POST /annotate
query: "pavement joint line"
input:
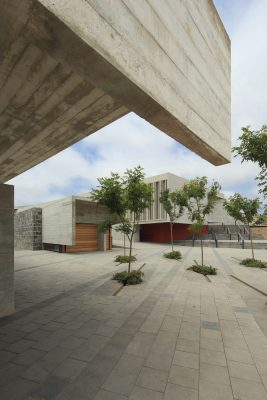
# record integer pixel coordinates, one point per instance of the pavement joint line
(252, 287)
(208, 278)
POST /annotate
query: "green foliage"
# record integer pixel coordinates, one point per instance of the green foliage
(124, 259)
(107, 223)
(203, 269)
(111, 194)
(200, 201)
(122, 195)
(252, 262)
(129, 278)
(173, 203)
(241, 208)
(173, 255)
(253, 147)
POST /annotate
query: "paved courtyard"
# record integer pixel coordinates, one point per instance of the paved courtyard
(175, 336)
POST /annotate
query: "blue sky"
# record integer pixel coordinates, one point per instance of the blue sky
(116, 147)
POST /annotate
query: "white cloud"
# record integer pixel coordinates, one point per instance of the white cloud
(132, 141)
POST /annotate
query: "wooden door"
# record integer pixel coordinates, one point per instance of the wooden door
(86, 239)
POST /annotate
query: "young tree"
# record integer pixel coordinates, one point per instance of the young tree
(200, 203)
(111, 194)
(253, 148)
(173, 203)
(244, 210)
(122, 195)
(138, 197)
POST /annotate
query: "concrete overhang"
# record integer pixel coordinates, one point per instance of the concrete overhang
(69, 68)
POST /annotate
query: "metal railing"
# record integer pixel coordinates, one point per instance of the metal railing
(214, 237)
(228, 230)
(241, 240)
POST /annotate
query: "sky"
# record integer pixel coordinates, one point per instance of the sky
(117, 146)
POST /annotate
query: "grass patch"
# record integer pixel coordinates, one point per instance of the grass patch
(129, 278)
(204, 270)
(124, 259)
(251, 262)
(173, 255)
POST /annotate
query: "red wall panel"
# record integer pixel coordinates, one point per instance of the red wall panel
(160, 233)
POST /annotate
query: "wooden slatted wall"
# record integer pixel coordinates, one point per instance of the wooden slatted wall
(86, 239)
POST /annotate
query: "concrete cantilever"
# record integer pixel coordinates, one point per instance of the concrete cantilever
(69, 68)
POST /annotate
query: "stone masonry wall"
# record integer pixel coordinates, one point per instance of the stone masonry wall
(28, 229)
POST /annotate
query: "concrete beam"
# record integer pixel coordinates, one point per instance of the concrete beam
(71, 67)
(6, 250)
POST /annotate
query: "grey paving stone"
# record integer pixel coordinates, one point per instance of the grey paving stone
(120, 382)
(50, 388)
(214, 374)
(54, 357)
(215, 391)
(160, 361)
(5, 356)
(28, 357)
(240, 309)
(9, 371)
(37, 372)
(152, 379)
(70, 368)
(248, 390)
(210, 325)
(45, 344)
(175, 392)
(184, 359)
(212, 357)
(20, 346)
(72, 342)
(105, 395)
(243, 371)
(187, 377)
(130, 363)
(16, 389)
(140, 393)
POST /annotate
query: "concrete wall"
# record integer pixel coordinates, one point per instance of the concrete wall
(59, 222)
(69, 68)
(175, 182)
(6, 250)
(171, 60)
(89, 212)
(259, 231)
(28, 229)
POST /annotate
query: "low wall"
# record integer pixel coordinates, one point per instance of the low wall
(260, 230)
(28, 229)
(160, 233)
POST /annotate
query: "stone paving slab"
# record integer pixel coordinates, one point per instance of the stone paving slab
(176, 336)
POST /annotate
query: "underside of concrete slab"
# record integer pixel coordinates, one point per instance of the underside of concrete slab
(70, 68)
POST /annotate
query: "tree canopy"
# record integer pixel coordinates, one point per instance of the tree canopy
(253, 147)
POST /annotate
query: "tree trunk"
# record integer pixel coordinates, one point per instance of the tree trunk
(251, 242)
(130, 253)
(124, 250)
(202, 257)
(171, 227)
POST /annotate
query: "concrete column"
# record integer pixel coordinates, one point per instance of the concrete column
(102, 241)
(6, 250)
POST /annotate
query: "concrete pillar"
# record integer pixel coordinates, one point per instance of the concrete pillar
(102, 241)
(6, 250)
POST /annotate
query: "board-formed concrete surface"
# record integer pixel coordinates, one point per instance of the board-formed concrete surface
(69, 68)
(175, 336)
(6, 250)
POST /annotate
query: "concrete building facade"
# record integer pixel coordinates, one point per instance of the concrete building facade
(154, 223)
(65, 225)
